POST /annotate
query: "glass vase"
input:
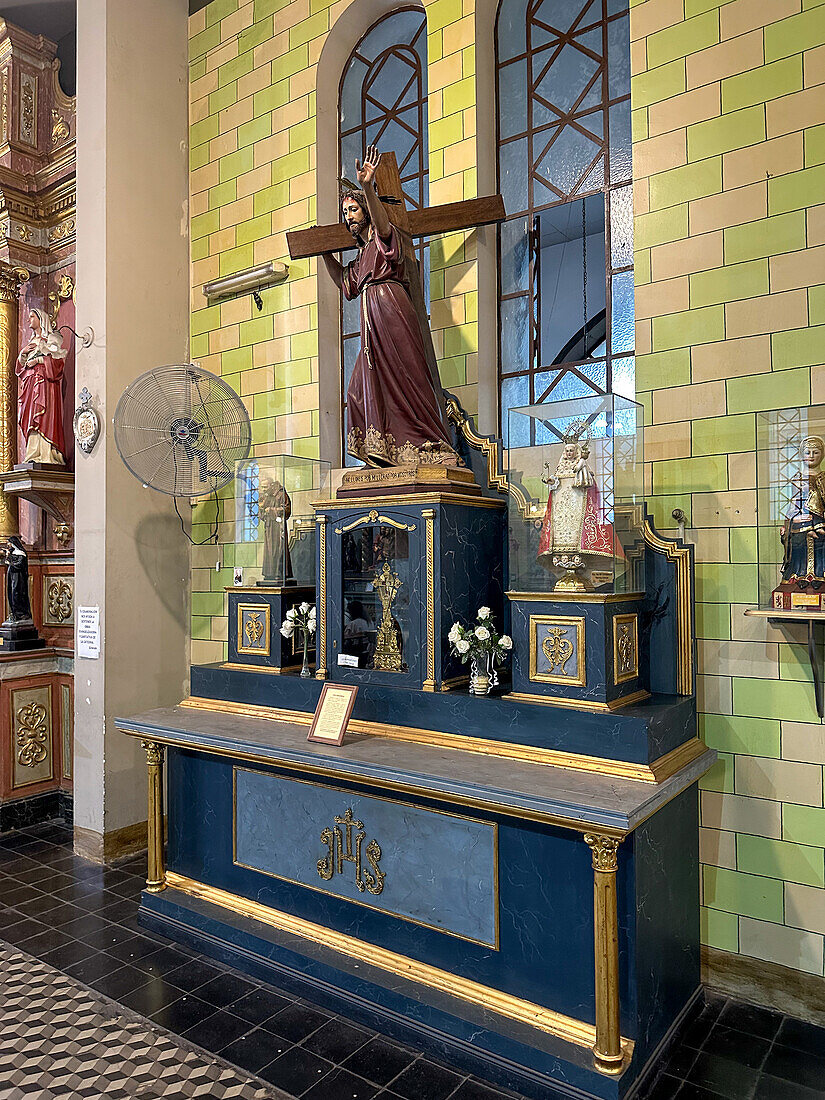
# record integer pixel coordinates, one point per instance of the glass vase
(482, 674)
(305, 672)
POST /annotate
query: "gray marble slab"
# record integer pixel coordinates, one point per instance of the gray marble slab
(565, 796)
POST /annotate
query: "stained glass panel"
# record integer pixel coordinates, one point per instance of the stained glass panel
(563, 134)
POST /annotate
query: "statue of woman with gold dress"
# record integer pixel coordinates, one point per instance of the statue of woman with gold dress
(803, 532)
(573, 540)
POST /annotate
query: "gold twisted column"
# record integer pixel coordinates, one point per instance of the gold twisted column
(156, 875)
(607, 1050)
(9, 292)
(429, 516)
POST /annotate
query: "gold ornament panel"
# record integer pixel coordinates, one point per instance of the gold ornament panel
(254, 629)
(625, 648)
(557, 650)
(32, 740)
(58, 599)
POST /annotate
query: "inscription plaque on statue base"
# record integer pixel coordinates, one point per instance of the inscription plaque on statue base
(423, 478)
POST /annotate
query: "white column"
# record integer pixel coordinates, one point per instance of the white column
(132, 288)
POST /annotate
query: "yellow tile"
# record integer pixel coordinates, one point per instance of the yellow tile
(297, 110)
(655, 15)
(805, 907)
(742, 16)
(256, 81)
(303, 82)
(203, 86)
(783, 780)
(816, 225)
(291, 320)
(794, 112)
(302, 186)
(798, 269)
(658, 154)
(803, 741)
(272, 49)
(223, 145)
(459, 156)
(271, 148)
(303, 292)
(449, 189)
(293, 425)
(641, 196)
(456, 36)
(726, 59)
(235, 212)
(203, 271)
(712, 543)
(461, 278)
(199, 110)
(718, 848)
(731, 358)
(446, 312)
(219, 56)
(666, 296)
(638, 56)
(253, 181)
(197, 22)
(223, 339)
(734, 508)
(767, 313)
(235, 115)
(740, 814)
(198, 204)
(757, 162)
(814, 66)
(742, 475)
(683, 110)
(305, 397)
(204, 178)
(663, 441)
(818, 385)
(693, 402)
(742, 204)
(682, 257)
(257, 380)
(296, 11)
(644, 337)
(236, 310)
(233, 24)
(271, 248)
(222, 241)
(270, 354)
(714, 694)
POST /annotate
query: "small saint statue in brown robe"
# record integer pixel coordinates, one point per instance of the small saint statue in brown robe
(275, 508)
(395, 412)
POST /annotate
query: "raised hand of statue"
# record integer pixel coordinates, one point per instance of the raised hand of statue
(366, 174)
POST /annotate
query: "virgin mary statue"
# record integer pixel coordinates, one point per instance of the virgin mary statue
(574, 542)
(39, 397)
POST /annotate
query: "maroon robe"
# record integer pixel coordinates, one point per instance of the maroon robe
(392, 405)
(39, 398)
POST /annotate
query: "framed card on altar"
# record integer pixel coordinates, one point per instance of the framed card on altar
(332, 713)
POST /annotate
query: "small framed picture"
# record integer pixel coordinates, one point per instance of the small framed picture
(332, 713)
(237, 578)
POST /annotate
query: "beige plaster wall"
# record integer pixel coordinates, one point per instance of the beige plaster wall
(132, 267)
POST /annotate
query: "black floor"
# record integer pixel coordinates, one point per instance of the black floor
(81, 918)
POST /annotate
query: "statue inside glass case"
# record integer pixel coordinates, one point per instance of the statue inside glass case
(275, 508)
(803, 532)
(574, 544)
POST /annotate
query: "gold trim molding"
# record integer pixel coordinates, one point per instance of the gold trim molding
(578, 1032)
(680, 556)
(656, 772)
(579, 704)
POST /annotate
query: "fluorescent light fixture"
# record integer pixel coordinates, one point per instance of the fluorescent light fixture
(254, 278)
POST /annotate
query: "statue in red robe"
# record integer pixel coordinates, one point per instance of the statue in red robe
(394, 404)
(574, 541)
(39, 372)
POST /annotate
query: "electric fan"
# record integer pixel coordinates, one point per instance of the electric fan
(180, 430)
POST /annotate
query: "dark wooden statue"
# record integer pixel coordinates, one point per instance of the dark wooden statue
(16, 561)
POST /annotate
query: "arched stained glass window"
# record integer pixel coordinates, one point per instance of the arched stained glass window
(566, 315)
(383, 102)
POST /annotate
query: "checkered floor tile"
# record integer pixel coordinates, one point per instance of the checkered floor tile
(60, 1040)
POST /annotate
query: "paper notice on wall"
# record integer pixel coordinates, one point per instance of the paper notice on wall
(88, 632)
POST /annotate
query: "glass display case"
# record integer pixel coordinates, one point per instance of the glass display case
(376, 588)
(576, 551)
(575, 470)
(275, 521)
(790, 510)
(274, 558)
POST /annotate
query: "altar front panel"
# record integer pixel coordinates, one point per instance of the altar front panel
(545, 935)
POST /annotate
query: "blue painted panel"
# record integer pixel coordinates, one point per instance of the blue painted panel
(432, 868)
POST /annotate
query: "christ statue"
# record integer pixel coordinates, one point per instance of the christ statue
(394, 404)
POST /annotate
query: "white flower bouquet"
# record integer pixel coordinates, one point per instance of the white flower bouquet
(474, 642)
(301, 620)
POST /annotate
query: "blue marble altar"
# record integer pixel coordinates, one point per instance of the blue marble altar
(509, 882)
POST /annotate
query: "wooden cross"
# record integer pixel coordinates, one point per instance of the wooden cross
(426, 222)
(470, 213)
